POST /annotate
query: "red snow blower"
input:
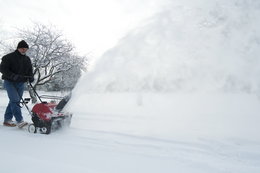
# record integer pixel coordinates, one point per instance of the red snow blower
(47, 116)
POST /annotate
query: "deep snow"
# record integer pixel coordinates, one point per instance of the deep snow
(126, 132)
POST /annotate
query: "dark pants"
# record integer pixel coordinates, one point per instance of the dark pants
(14, 92)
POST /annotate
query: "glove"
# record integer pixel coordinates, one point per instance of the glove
(31, 79)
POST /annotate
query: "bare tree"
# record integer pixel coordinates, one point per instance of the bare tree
(50, 52)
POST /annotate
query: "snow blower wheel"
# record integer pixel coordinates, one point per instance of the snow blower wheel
(32, 128)
(45, 130)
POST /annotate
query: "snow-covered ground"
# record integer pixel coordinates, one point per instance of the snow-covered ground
(129, 132)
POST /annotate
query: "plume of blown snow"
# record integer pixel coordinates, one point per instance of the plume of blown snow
(200, 45)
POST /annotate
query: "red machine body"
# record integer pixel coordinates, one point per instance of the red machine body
(46, 111)
(47, 116)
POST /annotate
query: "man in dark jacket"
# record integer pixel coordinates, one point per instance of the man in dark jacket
(16, 69)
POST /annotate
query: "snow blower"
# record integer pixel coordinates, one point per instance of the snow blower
(48, 116)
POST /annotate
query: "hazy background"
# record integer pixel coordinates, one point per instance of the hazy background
(93, 26)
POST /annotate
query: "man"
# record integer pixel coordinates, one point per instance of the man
(16, 69)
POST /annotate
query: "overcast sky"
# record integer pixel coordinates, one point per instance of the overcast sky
(92, 25)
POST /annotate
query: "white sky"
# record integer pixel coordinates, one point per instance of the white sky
(93, 26)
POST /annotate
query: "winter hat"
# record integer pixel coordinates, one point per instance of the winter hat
(22, 44)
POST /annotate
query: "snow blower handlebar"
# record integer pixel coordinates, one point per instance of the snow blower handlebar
(25, 101)
(33, 89)
(29, 84)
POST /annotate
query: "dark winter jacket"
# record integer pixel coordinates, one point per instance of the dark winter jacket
(16, 67)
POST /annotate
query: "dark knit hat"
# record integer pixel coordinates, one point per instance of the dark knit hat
(22, 44)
